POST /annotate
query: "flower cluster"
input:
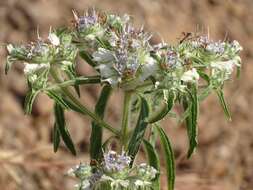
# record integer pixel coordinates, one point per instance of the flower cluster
(193, 58)
(120, 51)
(156, 77)
(123, 54)
(38, 57)
(114, 173)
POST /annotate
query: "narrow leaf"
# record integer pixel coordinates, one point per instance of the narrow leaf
(97, 131)
(8, 65)
(169, 158)
(64, 102)
(139, 131)
(153, 161)
(56, 137)
(223, 103)
(154, 134)
(57, 98)
(165, 108)
(191, 120)
(29, 99)
(204, 76)
(61, 125)
(238, 71)
(87, 58)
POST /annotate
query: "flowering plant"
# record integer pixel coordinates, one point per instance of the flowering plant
(154, 78)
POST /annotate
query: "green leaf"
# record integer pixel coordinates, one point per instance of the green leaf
(8, 64)
(56, 137)
(153, 134)
(169, 158)
(103, 43)
(97, 131)
(57, 98)
(187, 112)
(153, 161)
(29, 99)
(191, 119)
(74, 107)
(61, 125)
(88, 58)
(223, 103)
(139, 131)
(238, 71)
(64, 102)
(205, 92)
(165, 108)
(204, 76)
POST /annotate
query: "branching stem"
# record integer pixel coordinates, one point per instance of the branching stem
(81, 106)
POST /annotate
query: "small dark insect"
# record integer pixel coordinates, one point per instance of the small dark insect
(102, 17)
(93, 162)
(75, 21)
(186, 36)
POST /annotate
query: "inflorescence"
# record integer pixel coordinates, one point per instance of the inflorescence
(114, 173)
(125, 58)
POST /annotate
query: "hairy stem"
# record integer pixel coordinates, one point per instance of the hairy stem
(76, 81)
(125, 117)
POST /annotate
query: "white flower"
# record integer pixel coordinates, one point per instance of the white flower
(236, 46)
(149, 68)
(113, 39)
(97, 33)
(10, 48)
(190, 76)
(53, 38)
(226, 66)
(125, 18)
(30, 68)
(103, 55)
(141, 183)
(90, 37)
(70, 172)
(216, 47)
(105, 70)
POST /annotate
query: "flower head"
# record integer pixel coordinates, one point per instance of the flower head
(190, 76)
(116, 163)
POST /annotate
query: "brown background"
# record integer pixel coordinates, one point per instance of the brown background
(224, 159)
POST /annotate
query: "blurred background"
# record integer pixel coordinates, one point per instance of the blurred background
(224, 158)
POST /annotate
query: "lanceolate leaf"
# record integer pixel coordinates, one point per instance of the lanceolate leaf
(29, 99)
(57, 98)
(154, 134)
(8, 64)
(56, 137)
(204, 76)
(139, 131)
(191, 119)
(97, 131)
(87, 58)
(165, 109)
(223, 103)
(153, 161)
(169, 158)
(61, 125)
(64, 102)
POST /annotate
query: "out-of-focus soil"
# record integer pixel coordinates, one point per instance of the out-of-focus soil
(224, 158)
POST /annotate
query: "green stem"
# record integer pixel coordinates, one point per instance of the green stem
(82, 107)
(125, 117)
(76, 81)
